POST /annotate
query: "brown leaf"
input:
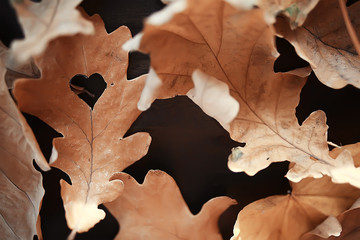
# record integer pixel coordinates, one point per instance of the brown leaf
(288, 217)
(20, 184)
(93, 147)
(324, 42)
(44, 21)
(237, 47)
(156, 210)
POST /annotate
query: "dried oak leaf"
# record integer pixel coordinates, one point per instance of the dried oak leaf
(288, 217)
(324, 42)
(156, 210)
(92, 148)
(20, 184)
(237, 47)
(44, 21)
(350, 222)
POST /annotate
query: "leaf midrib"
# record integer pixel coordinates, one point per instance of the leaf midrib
(91, 142)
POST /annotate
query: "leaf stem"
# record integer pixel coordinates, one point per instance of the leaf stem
(349, 26)
(333, 144)
(72, 235)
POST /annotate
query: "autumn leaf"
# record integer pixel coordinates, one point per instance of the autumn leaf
(288, 217)
(324, 42)
(92, 148)
(349, 221)
(44, 21)
(20, 184)
(156, 210)
(237, 48)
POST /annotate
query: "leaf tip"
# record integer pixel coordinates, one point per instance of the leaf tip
(152, 85)
(301, 72)
(133, 44)
(163, 16)
(54, 155)
(213, 96)
(243, 4)
(236, 154)
(329, 227)
(81, 217)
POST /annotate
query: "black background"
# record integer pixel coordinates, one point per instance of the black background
(187, 144)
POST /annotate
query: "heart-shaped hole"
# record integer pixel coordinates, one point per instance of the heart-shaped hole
(89, 89)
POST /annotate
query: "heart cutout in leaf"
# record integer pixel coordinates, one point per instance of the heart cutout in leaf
(89, 89)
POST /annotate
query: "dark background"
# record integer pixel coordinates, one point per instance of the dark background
(187, 144)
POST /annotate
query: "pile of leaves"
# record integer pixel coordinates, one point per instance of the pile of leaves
(221, 55)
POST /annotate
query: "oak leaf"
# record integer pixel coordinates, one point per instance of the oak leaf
(92, 148)
(289, 217)
(237, 47)
(156, 210)
(44, 21)
(324, 42)
(20, 184)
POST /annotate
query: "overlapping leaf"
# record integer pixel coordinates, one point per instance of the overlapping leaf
(20, 184)
(237, 47)
(15, 69)
(350, 222)
(324, 42)
(92, 148)
(156, 210)
(43, 21)
(288, 217)
(329, 227)
(296, 10)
